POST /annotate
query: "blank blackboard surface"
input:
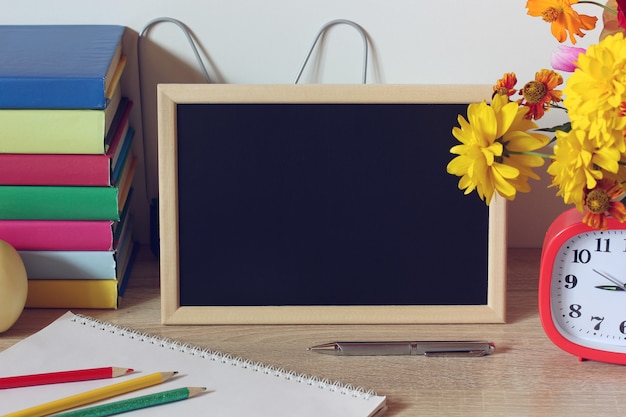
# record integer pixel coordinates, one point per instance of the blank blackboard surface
(313, 204)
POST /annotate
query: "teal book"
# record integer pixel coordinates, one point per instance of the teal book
(58, 203)
(58, 66)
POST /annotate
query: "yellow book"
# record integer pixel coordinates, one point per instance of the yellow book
(87, 293)
(59, 131)
(72, 293)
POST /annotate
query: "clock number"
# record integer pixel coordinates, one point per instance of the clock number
(600, 320)
(599, 245)
(574, 311)
(622, 327)
(570, 281)
(582, 256)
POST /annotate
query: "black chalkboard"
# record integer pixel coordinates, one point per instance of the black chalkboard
(325, 204)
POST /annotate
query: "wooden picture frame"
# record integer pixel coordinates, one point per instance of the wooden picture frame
(174, 98)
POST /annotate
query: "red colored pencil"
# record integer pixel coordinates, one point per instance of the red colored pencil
(63, 376)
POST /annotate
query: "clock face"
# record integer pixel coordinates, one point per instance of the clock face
(588, 290)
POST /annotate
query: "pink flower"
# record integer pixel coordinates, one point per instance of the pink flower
(565, 59)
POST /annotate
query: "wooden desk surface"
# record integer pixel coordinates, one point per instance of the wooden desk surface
(526, 376)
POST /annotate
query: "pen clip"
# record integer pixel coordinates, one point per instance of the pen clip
(457, 353)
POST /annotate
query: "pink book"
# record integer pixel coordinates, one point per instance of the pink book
(58, 234)
(68, 170)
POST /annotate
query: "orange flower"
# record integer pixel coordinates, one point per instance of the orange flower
(539, 93)
(600, 202)
(562, 17)
(505, 85)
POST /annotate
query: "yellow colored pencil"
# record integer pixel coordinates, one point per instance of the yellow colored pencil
(97, 394)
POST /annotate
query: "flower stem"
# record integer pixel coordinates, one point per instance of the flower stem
(557, 106)
(604, 6)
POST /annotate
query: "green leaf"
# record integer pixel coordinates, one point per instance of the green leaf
(565, 127)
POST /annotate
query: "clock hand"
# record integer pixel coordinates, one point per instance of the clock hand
(614, 280)
(610, 287)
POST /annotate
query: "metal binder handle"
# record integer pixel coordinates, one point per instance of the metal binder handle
(321, 32)
(187, 33)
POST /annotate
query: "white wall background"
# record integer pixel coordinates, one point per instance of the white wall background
(247, 41)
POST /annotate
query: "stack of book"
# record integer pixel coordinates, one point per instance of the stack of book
(66, 165)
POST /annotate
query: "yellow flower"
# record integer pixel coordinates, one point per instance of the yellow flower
(576, 165)
(493, 154)
(595, 91)
(497, 150)
(562, 18)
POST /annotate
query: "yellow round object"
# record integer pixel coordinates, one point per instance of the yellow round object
(13, 286)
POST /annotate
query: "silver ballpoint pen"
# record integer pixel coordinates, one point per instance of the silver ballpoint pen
(427, 348)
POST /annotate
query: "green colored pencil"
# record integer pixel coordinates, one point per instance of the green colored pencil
(131, 404)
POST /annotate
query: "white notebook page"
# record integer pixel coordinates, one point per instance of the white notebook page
(235, 387)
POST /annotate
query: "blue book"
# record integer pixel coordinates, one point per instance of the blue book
(59, 66)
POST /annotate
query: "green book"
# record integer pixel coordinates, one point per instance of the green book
(59, 203)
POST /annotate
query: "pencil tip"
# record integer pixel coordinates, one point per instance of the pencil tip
(116, 371)
(195, 390)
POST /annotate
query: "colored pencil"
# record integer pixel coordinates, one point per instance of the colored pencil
(137, 403)
(92, 396)
(19, 381)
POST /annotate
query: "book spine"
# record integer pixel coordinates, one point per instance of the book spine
(125, 182)
(52, 131)
(125, 267)
(69, 265)
(116, 74)
(60, 66)
(51, 169)
(72, 169)
(57, 234)
(119, 128)
(121, 156)
(72, 294)
(58, 203)
(57, 93)
(123, 245)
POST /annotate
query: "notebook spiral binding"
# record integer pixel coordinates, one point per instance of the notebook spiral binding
(227, 359)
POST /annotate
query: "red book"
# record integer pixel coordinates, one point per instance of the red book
(58, 234)
(71, 170)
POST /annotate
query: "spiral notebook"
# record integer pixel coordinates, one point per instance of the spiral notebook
(235, 386)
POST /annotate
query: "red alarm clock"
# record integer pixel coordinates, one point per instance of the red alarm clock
(582, 288)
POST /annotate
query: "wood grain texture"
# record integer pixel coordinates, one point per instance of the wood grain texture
(526, 376)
